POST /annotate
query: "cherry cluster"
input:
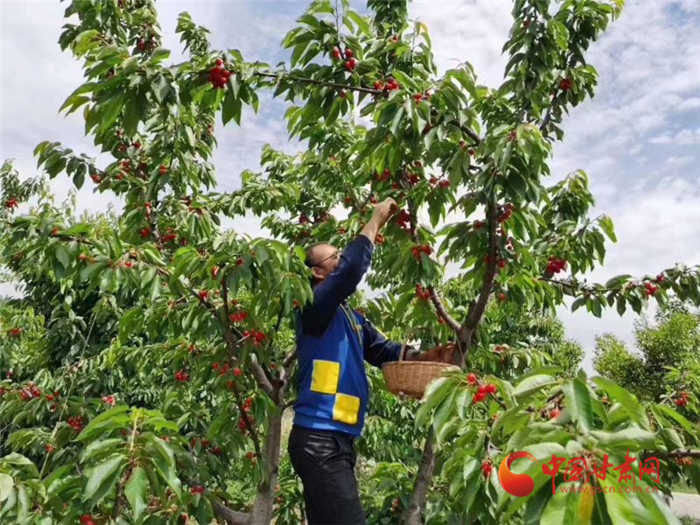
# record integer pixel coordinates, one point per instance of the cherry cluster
(256, 336)
(682, 399)
(350, 60)
(385, 176)
(423, 293)
(505, 212)
(11, 204)
(482, 390)
(110, 400)
(421, 248)
(218, 75)
(182, 376)
(391, 85)
(29, 392)
(650, 289)
(418, 97)
(242, 426)
(441, 183)
(556, 265)
(238, 317)
(76, 423)
(15, 332)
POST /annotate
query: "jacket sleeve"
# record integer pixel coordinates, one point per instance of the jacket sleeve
(377, 348)
(337, 286)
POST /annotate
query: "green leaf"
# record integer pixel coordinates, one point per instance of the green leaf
(632, 438)
(135, 491)
(606, 225)
(63, 256)
(533, 384)
(626, 399)
(112, 418)
(6, 484)
(435, 394)
(562, 507)
(360, 21)
(99, 447)
(129, 322)
(102, 478)
(678, 418)
(578, 402)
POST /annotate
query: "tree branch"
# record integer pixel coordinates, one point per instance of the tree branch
(230, 516)
(442, 312)
(467, 131)
(319, 83)
(260, 376)
(244, 415)
(477, 310)
(680, 453)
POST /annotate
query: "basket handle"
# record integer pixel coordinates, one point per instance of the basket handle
(402, 353)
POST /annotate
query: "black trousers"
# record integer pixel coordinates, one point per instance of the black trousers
(324, 460)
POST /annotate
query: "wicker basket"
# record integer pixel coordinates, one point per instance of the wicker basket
(411, 378)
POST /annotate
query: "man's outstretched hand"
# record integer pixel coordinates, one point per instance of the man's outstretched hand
(441, 354)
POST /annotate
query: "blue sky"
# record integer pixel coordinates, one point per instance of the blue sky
(638, 139)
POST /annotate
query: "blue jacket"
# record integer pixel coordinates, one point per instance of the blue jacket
(333, 341)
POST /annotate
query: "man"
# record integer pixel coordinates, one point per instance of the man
(332, 344)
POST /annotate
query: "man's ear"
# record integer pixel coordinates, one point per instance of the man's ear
(316, 273)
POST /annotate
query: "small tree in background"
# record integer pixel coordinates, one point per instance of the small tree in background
(668, 366)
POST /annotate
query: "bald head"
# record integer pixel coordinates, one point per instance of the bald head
(322, 258)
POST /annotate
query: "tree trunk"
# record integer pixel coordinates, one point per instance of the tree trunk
(413, 515)
(262, 509)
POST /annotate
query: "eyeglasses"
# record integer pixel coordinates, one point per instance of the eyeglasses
(335, 255)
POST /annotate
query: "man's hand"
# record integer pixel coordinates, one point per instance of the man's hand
(440, 354)
(384, 210)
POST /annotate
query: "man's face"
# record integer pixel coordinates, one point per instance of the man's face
(326, 258)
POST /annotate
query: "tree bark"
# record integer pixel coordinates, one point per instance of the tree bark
(262, 509)
(413, 515)
(229, 516)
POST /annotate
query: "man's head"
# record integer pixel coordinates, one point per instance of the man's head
(322, 259)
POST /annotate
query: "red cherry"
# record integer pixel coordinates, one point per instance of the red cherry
(481, 389)
(472, 379)
(336, 53)
(219, 62)
(351, 64)
(378, 85)
(343, 94)
(478, 397)
(491, 388)
(486, 469)
(554, 413)
(237, 372)
(348, 53)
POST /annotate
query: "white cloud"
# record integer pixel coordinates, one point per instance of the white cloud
(684, 137)
(690, 103)
(679, 161)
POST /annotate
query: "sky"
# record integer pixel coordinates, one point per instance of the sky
(638, 138)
